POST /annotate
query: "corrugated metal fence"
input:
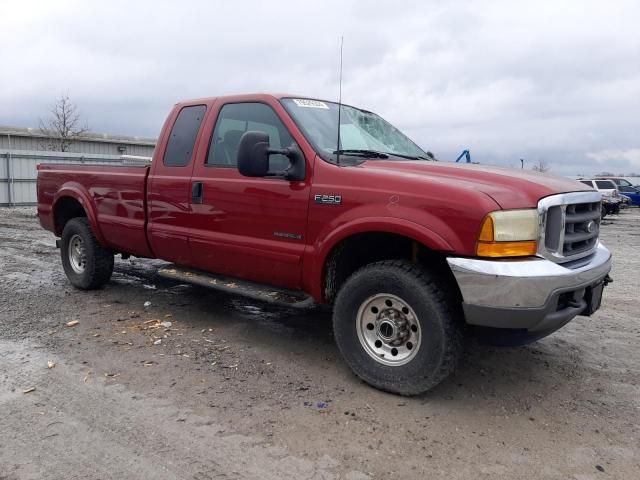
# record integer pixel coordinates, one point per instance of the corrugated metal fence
(18, 171)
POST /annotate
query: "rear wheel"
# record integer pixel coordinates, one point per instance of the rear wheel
(87, 264)
(397, 327)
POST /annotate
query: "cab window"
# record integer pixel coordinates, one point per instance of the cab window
(234, 120)
(183, 136)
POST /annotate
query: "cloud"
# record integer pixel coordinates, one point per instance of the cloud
(628, 160)
(547, 80)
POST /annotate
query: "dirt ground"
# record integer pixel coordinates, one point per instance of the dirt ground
(233, 389)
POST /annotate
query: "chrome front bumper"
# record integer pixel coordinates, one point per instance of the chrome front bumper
(525, 294)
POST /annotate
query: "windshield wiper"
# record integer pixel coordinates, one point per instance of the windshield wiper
(410, 157)
(361, 153)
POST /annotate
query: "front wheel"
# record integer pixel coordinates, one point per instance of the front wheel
(398, 327)
(88, 264)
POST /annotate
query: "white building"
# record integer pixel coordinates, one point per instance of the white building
(22, 149)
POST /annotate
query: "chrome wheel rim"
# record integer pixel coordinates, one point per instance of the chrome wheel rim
(77, 254)
(388, 329)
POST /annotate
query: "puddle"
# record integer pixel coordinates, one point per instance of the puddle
(268, 317)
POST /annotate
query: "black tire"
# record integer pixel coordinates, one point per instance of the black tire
(436, 310)
(97, 261)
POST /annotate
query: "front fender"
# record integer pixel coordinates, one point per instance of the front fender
(317, 254)
(80, 193)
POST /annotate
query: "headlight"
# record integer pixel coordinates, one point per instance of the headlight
(509, 233)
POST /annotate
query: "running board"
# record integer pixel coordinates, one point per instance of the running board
(258, 291)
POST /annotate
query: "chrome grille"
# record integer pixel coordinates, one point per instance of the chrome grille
(581, 227)
(569, 225)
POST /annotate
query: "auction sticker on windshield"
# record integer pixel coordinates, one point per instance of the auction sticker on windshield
(305, 102)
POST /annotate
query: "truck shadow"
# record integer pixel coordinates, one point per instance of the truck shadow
(517, 375)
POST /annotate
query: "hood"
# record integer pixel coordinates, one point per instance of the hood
(510, 188)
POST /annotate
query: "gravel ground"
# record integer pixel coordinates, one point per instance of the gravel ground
(233, 389)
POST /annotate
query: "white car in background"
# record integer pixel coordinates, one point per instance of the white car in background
(607, 187)
(611, 198)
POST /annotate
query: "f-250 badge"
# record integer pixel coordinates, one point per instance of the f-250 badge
(328, 199)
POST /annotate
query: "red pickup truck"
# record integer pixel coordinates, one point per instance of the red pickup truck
(263, 195)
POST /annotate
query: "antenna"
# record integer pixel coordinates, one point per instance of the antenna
(339, 103)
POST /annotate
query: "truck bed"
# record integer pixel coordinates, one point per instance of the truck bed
(113, 196)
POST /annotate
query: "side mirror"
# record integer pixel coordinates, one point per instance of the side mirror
(253, 158)
(253, 154)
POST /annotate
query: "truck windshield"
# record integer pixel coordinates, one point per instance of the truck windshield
(362, 133)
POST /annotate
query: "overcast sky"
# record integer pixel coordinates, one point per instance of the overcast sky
(552, 80)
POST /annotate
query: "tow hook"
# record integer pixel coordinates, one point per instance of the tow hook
(607, 280)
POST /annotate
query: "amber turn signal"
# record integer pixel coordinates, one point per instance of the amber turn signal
(486, 233)
(507, 249)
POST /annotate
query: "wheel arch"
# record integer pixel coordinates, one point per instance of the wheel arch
(73, 201)
(354, 246)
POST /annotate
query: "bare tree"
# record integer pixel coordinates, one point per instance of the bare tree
(541, 166)
(63, 126)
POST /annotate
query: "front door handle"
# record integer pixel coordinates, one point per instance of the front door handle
(197, 192)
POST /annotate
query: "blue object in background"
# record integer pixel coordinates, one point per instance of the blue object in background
(466, 155)
(632, 192)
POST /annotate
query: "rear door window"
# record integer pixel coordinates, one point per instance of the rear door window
(605, 184)
(183, 136)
